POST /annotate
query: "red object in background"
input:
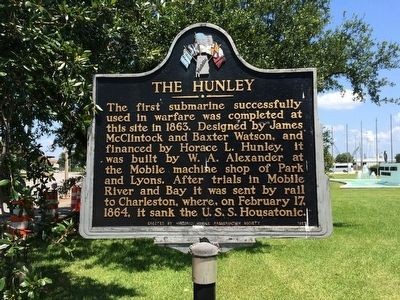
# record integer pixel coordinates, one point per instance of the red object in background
(51, 205)
(76, 198)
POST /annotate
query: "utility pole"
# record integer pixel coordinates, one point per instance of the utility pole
(376, 141)
(347, 144)
(391, 139)
(333, 143)
(66, 165)
(361, 148)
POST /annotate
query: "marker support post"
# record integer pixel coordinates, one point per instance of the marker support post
(204, 270)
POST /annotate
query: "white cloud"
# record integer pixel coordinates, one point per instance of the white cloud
(335, 127)
(337, 101)
(384, 136)
(396, 133)
(396, 118)
(354, 132)
(369, 136)
(339, 128)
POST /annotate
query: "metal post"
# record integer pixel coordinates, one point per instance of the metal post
(66, 165)
(391, 139)
(204, 270)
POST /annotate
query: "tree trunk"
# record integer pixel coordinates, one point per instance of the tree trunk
(4, 169)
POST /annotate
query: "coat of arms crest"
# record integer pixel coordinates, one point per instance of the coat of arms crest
(202, 51)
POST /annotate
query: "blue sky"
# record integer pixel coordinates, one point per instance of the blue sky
(335, 110)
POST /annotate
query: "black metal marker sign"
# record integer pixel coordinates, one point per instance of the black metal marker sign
(205, 145)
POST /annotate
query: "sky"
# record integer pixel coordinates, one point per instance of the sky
(337, 111)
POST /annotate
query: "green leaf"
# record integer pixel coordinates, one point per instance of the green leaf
(98, 108)
(25, 269)
(2, 283)
(4, 246)
(24, 284)
(61, 66)
(14, 194)
(4, 182)
(44, 281)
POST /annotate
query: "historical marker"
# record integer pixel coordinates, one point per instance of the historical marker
(205, 145)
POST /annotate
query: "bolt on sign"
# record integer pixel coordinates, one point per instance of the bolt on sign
(205, 145)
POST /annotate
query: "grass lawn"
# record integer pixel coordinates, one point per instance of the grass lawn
(361, 260)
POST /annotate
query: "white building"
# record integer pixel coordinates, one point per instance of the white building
(390, 173)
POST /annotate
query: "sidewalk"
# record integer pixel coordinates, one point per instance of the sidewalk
(64, 201)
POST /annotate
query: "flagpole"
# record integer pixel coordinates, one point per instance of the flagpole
(361, 147)
(333, 143)
(376, 141)
(391, 139)
(347, 143)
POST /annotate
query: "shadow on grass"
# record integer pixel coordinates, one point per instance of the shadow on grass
(132, 255)
(257, 247)
(65, 286)
(344, 225)
(138, 255)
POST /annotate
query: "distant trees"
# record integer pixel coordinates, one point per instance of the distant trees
(74, 165)
(397, 158)
(327, 144)
(344, 158)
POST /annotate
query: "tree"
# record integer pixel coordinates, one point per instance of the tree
(50, 51)
(40, 83)
(41, 80)
(292, 34)
(344, 158)
(397, 158)
(74, 166)
(327, 142)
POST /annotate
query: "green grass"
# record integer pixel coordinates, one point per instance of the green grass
(361, 260)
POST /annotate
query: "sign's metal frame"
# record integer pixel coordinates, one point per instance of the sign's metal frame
(185, 235)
